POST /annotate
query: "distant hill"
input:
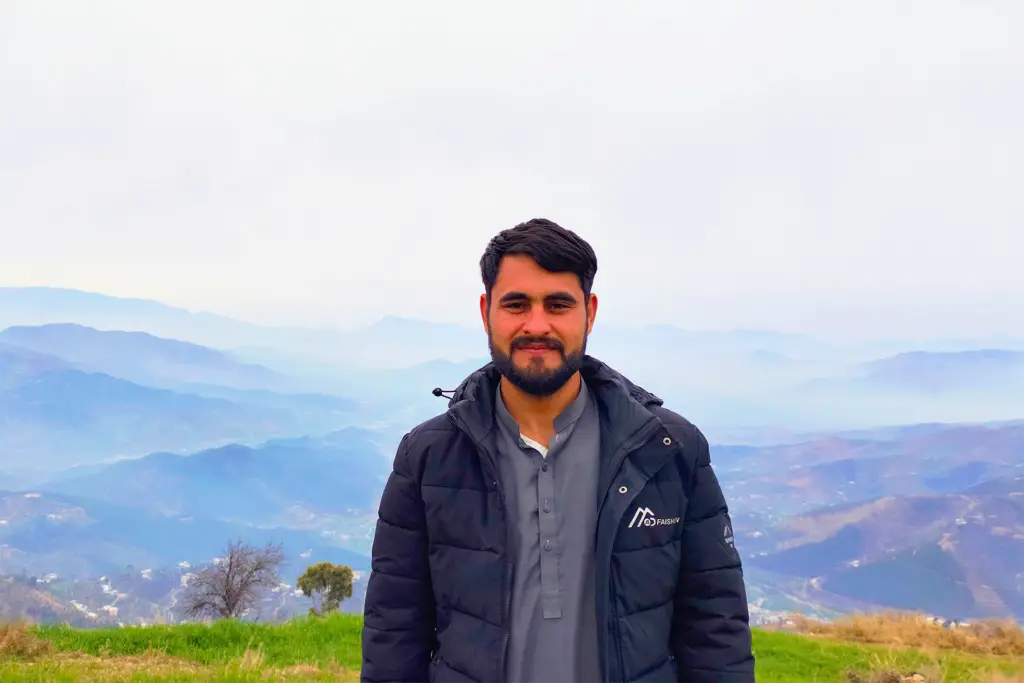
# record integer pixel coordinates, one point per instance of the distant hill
(729, 381)
(390, 342)
(284, 482)
(21, 598)
(54, 415)
(760, 346)
(46, 305)
(19, 365)
(982, 369)
(145, 359)
(75, 537)
(801, 477)
(912, 387)
(926, 373)
(951, 554)
(142, 357)
(896, 432)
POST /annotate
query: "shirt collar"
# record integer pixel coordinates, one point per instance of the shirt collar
(565, 419)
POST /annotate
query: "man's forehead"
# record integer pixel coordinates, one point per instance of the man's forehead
(538, 290)
(526, 276)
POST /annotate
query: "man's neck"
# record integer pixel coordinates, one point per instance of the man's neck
(536, 415)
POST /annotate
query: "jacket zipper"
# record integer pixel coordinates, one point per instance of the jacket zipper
(508, 536)
(642, 435)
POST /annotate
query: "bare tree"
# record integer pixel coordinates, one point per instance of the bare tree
(234, 583)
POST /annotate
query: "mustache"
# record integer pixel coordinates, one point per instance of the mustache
(545, 342)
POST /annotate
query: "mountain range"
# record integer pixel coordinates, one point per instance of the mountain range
(950, 554)
(975, 370)
(283, 482)
(80, 537)
(142, 358)
(136, 439)
(724, 380)
(399, 342)
(391, 341)
(56, 415)
(849, 521)
(866, 522)
(113, 394)
(147, 521)
(826, 470)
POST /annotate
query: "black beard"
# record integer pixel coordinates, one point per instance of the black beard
(543, 382)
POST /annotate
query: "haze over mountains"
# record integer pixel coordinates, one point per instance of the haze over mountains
(724, 380)
(134, 433)
(82, 407)
(141, 357)
(285, 482)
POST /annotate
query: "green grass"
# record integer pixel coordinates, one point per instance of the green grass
(304, 649)
(791, 658)
(302, 641)
(329, 649)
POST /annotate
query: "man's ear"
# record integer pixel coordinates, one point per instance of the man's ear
(591, 312)
(483, 311)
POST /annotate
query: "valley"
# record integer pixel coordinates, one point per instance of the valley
(129, 457)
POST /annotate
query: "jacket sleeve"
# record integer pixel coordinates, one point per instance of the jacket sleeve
(711, 624)
(398, 635)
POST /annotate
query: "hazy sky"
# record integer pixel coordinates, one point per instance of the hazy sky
(830, 167)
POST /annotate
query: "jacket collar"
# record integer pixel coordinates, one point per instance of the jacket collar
(624, 406)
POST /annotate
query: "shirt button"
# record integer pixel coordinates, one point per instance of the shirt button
(547, 545)
(547, 508)
(544, 467)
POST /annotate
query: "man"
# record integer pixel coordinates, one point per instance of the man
(557, 523)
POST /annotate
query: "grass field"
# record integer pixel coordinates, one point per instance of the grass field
(328, 650)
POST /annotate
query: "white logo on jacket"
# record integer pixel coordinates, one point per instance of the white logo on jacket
(645, 517)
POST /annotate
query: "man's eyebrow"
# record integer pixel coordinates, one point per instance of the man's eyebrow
(563, 297)
(553, 297)
(513, 296)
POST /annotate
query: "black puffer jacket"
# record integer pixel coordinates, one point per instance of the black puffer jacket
(671, 601)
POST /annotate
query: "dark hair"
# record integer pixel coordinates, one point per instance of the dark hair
(554, 248)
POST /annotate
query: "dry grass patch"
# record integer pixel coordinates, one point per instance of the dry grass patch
(17, 641)
(154, 666)
(889, 675)
(125, 666)
(26, 656)
(888, 670)
(912, 630)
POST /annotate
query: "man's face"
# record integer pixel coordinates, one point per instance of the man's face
(537, 325)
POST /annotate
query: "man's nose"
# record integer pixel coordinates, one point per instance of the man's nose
(537, 322)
